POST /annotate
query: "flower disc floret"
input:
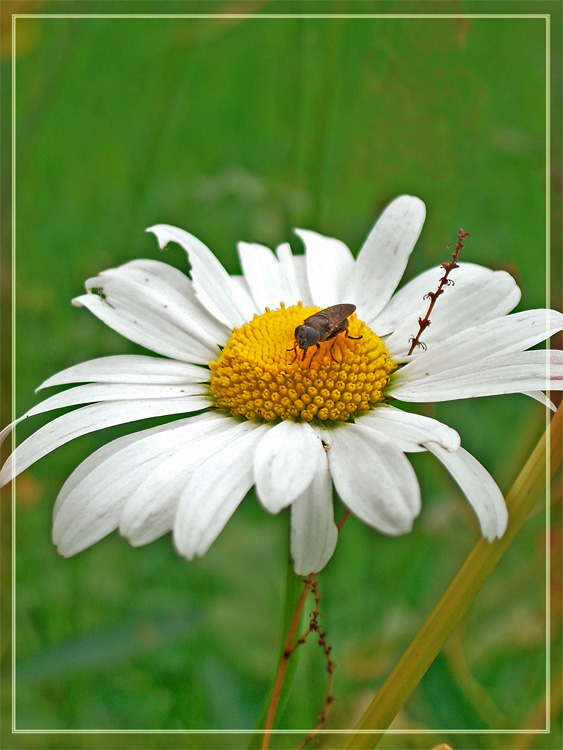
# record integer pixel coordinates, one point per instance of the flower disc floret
(260, 375)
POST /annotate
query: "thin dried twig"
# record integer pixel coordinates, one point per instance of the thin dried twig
(330, 665)
(448, 266)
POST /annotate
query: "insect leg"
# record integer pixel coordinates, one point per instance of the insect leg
(317, 347)
(294, 350)
(331, 354)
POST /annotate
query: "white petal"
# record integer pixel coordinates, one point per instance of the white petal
(479, 488)
(409, 431)
(542, 398)
(90, 503)
(295, 272)
(214, 492)
(479, 295)
(263, 274)
(313, 531)
(384, 256)
(157, 441)
(150, 510)
(179, 290)
(146, 286)
(374, 479)
(96, 392)
(407, 300)
(210, 279)
(520, 372)
(241, 292)
(130, 368)
(89, 419)
(285, 463)
(147, 326)
(329, 267)
(99, 456)
(511, 333)
(106, 392)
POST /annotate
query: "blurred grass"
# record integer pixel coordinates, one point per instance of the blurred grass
(242, 131)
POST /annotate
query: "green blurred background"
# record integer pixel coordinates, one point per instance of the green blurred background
(241, 129)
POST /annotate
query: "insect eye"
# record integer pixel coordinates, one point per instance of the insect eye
(312, 335)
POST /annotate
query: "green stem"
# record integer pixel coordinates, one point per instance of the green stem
(460, 594)
(293, 593)
(288, 650)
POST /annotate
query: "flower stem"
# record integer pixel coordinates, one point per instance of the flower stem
(287, 651)
(460, 594)
(343, 520)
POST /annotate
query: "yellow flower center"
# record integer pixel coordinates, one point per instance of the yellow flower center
(260, 375)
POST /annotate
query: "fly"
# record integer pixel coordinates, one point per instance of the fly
(323, 326)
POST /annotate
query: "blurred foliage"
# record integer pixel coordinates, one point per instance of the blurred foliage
(241, 129)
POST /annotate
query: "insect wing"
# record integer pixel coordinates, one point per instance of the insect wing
(330, 320)
(337, 314)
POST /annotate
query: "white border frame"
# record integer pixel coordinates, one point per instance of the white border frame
(267, 16)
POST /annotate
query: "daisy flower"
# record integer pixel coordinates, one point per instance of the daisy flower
(260, 411)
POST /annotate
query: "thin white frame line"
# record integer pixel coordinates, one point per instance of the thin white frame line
(547, 18)
(282, 731)
(279, 15)
(547, 411)
(13, 330)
